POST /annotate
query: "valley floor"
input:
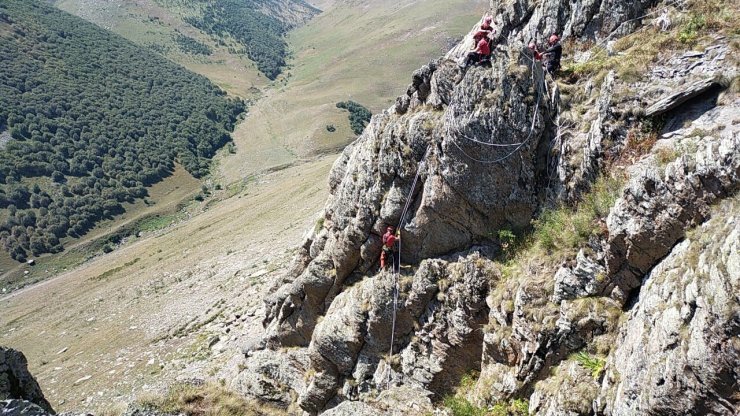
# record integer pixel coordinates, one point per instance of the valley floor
(164, 307)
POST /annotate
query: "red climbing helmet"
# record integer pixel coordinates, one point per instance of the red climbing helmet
(488, 19)
(554, 38)
(390, 228)
(532, 46)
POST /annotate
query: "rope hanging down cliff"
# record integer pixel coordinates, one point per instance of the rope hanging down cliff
(397, 271)
(409, 198)
(518, 145)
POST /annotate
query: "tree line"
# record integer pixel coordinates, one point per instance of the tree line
(359, 116)
(191, 46)
(93, 120)
(261, 35)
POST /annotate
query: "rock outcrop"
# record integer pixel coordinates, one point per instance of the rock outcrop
(464, 154)
(656, 209)
(679, 352)
(18, 385)
(17, 407)
(459, 199)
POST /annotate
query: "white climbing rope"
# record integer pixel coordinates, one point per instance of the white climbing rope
(409, 198)
(397, 271)
(518, 145)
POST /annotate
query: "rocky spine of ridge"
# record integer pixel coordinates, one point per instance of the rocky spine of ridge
(493, 149)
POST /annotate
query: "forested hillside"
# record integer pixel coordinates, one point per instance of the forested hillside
(87, 121)
(249, 22)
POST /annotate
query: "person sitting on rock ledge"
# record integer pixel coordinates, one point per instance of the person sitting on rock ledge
(482, 51)
(551, 56)
(389, 248)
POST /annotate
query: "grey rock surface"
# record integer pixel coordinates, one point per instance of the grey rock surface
(570, 392)
(397, 401)
(679, 352)
(272, 378)
(16, 382)
(587, 278)
(656, 208)
(677, 98)
(137, 410)
(441, 309)
(17, 407)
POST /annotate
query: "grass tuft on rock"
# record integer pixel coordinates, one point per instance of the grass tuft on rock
(564, 229)
(205, 400)
(593, 363)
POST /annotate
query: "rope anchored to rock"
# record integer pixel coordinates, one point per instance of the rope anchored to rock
(397, 270)
(518, 145)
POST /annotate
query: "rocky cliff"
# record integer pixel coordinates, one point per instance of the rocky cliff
(569, 244)
(19, 391)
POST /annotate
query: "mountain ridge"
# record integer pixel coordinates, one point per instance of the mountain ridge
(529, 284)
(335, 307)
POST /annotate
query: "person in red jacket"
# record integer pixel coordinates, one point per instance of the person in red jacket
(482, 51)
(389, 248)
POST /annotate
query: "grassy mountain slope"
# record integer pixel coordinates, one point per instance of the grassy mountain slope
(138, 316)
(149, 24)
(92, 120)
(363, 51)
(226, 34)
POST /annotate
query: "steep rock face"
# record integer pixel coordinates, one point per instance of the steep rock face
(16, 382)
(524, 19)
(656, 209)
(580, 153)
(440, 310)
(528, 334)
(459, 198)
(476, 138)
(679, 352)
(536, 321)
(468, 153)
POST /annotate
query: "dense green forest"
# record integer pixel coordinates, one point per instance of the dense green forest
(190, 45)
(87, 122)
(359, 116)
(261, 35)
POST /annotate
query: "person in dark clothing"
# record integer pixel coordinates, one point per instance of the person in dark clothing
(551, 56)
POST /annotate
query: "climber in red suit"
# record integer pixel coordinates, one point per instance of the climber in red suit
(389, 248)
